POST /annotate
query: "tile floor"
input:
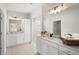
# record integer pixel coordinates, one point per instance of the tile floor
(24, 49)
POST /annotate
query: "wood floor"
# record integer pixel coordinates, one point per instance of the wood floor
(24, 49)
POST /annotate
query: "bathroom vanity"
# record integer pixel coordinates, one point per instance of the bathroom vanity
(18, 34)
(15, 39)
(55, 46)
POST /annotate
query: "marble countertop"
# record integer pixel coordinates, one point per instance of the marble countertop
(59, 42)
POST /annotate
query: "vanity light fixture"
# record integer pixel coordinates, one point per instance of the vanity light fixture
(57, 9)
(15, 18)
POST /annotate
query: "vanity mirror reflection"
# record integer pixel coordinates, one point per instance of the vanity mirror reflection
(15, 26)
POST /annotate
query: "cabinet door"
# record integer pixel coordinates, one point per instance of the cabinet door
(27, 30)
(62, 52)
(38, 43)
(51, 49)
(48, 48)
(20, 38)
(68, 51)
(11, 40)
(74, 53)
(43, 47)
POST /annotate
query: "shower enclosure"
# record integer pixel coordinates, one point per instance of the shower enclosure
(57, 28)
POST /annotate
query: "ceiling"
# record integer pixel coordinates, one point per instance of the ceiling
(23, 7)
(29, 7)
(34, 8)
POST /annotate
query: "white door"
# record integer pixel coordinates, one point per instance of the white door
(27, 30)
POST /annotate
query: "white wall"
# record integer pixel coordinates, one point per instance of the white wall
(69, 20)
(21, 37)
(14, 14)
(35, 9)
(36, 23)
(17, 14)
(4, 22)
(36, 29)
(3, 28)
(36, 13)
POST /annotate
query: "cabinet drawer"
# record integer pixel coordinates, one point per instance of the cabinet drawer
(43, 47)
(52, 49)
(11, 40)
(68, 51)
(52, 44)
(38, 45)
(62, 53)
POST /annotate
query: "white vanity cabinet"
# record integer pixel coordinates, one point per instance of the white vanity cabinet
(45, 47)
(60, 52)
(68, 50)
(55, 47)
(11, 40)
(15, 39)
(52, 50)
(41, 48)
(20, 38)
(38, 43)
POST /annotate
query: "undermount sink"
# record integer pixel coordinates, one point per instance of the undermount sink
(70, 41)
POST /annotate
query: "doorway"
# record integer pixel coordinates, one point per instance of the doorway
(57, 28)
